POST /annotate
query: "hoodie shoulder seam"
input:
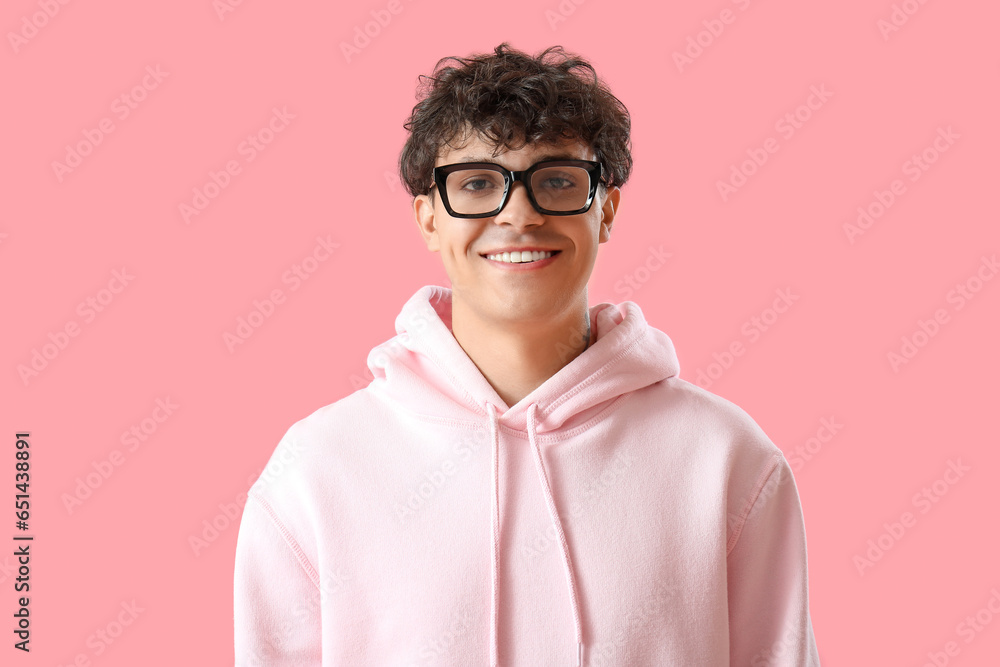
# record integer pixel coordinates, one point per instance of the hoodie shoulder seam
(292, 543)
(752, 500)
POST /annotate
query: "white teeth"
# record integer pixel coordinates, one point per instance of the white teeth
(519, 257)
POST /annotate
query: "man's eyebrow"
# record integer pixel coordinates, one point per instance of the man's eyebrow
(547, 156)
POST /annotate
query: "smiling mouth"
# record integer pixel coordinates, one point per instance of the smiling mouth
(522, 257)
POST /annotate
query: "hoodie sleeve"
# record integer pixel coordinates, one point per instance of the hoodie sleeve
(769, 623)
(276, 600)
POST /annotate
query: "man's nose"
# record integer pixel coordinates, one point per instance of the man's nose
(519, 210)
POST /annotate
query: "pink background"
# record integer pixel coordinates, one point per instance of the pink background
(330, 172)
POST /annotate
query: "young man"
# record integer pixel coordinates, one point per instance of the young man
(527, 480)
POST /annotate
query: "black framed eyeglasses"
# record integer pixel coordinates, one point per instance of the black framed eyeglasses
(482, 189)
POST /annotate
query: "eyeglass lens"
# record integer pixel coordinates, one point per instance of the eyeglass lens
(478, 190)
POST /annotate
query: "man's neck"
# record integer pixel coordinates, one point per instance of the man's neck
(515, 361)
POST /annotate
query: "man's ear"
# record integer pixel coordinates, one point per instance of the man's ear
(423, 214)
(609, 210)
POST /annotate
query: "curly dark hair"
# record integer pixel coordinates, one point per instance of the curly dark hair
(509, 99)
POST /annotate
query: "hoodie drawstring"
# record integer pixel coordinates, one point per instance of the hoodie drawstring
(495, 522)
(556, 522)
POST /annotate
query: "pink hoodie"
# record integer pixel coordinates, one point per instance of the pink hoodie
(617, 515)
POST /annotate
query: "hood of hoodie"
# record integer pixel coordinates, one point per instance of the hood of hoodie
(424, 370)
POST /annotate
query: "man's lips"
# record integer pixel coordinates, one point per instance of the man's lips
(497, 261)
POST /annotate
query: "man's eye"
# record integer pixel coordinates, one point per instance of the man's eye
(478, 185)
(557, 183)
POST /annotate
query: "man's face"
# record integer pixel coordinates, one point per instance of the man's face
(499, 292)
